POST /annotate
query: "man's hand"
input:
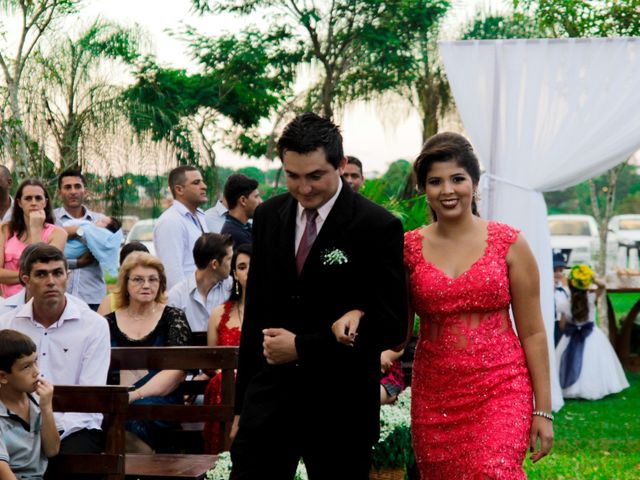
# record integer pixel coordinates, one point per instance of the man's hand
(44, 389)
(345, 328)
(279, 346)
(85, 259)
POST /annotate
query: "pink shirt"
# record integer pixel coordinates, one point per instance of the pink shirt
(13, 248)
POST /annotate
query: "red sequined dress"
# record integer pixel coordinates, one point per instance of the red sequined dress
(226, 337)
(471, 391)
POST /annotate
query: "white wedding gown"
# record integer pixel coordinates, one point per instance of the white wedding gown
(601, 372)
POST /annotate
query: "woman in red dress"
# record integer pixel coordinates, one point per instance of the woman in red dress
(224, 330)
(480, 393)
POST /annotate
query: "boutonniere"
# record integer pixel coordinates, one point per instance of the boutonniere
(334, 257)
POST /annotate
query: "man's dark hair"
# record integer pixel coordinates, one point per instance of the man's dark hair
(5, 172)
(308, 132)
(131, 247)
(178, 176)
(236, 186)
(13, 346)
(24, 256)
(209, 247)
(43, 253)
(354, 161)
(71, 172)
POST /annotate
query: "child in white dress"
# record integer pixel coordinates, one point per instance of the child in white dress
(589, 367)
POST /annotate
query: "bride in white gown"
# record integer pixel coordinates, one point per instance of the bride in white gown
(589, 367)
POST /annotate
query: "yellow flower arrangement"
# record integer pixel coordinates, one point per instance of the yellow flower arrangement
(581, 276)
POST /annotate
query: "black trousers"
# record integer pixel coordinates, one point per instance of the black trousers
(273, 453)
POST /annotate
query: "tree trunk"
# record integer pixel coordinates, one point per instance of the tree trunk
(16, 128)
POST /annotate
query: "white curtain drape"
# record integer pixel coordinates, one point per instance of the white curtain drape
(544, 115)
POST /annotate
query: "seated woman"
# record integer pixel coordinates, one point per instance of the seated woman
(224, 329)
(108, 303)
(588, 365)
(31, 222)
(142, 319)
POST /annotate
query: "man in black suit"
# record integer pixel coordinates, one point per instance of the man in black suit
(322, 253)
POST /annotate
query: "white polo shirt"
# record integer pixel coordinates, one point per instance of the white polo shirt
(75, 350)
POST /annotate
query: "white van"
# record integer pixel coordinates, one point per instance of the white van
(576, 236)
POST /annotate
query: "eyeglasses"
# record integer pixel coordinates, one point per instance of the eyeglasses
(140, 281)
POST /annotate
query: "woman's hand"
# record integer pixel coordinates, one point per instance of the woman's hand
(36, 219)
(542, 429)
(386, 360)
(345, 328)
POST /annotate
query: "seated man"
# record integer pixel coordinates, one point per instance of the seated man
(210, 285)
(72, 342)
(9, 304)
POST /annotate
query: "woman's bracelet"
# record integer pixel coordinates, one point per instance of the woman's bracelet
(540, 413)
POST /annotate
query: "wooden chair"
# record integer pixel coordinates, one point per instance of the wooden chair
(180, 358)
(113, 402)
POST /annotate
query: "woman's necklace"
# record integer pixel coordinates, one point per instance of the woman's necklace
(144, 316)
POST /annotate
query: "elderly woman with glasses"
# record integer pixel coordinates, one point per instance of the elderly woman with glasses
(142, 319)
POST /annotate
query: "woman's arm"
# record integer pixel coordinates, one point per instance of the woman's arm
(525, 302)
(212, 328)
(58, 238)
(6, 276)
(163, 383)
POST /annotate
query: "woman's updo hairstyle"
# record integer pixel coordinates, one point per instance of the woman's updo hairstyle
(445, 147)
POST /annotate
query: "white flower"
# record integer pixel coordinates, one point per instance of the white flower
(334, 257)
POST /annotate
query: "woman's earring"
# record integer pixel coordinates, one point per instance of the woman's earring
(237, 288)
(475, 195)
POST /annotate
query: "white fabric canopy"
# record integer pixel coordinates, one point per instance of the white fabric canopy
(544, 115)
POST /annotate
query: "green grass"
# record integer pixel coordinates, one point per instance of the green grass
(595, 440)
(622, 303)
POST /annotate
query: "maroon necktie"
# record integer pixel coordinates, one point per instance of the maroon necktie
(308, 237)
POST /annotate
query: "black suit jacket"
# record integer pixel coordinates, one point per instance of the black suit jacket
(328, 379)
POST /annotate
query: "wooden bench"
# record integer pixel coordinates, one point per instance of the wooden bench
(113, 402)
(180, 358)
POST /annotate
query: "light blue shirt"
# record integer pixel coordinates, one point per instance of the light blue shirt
(174, 235)
(86, 282)
(186, 297)
(22, 448)
(215, 217)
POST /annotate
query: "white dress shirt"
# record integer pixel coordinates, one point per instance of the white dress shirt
(10, 304)
(323, 213)
(215, 217)
(185, 296)
(75, 350)
(7, 215)
(174, 235)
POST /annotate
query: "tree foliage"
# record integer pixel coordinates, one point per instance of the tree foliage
(356, 48)
(76, 100)
(242, 80)
(36, 17)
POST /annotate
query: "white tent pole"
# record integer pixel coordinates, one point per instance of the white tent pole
(491, 168)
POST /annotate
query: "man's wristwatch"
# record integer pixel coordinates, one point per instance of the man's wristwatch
(80, 232)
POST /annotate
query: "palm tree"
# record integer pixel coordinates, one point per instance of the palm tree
(76, 93)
